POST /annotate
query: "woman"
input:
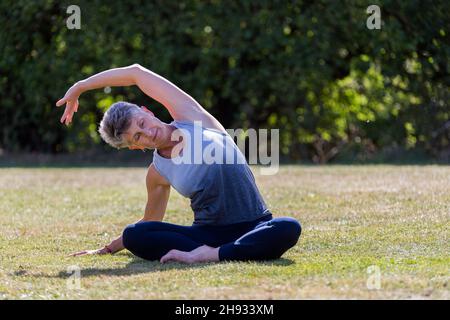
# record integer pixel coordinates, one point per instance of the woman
(231, 220)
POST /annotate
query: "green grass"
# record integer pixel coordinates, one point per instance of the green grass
(353, 217)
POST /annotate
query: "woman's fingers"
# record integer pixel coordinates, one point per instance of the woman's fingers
(63, 116)
(85, 252)
(69, 117)
(80, 253)
(68, 113)
(71, 107)
(60, 102)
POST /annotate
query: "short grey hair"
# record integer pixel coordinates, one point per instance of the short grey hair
(116, 121)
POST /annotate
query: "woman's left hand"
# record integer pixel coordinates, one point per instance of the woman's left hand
(71, 101)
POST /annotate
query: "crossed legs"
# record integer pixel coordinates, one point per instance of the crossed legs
(262, 240)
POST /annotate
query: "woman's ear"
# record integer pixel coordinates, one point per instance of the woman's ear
(146, 110)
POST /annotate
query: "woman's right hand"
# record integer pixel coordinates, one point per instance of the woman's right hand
(101, 251)
(71, 101)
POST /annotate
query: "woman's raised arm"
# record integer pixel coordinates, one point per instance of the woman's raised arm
(180, 105)
(125, 76)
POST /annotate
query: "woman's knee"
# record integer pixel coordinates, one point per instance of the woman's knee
(289, 229)
(131, 236)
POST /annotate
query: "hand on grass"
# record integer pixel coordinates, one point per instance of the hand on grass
(90, 252)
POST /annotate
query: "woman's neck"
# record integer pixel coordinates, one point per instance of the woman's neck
(167, 149)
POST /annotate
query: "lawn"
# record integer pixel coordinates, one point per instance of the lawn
(360, 224)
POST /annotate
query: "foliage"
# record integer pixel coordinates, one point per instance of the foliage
(312, 69)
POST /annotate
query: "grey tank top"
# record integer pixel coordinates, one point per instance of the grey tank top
(214, 174)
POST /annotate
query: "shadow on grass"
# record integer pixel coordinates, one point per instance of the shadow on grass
(138, 266)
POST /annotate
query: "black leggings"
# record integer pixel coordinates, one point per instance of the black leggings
(262, 239)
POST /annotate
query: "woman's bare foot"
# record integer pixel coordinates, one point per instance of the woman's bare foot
(201, 254)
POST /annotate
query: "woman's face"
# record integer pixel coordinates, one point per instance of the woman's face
(146, 131)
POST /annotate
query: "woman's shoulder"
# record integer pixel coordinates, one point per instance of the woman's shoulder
(189, 124)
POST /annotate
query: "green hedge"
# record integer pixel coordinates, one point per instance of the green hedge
(311, 68)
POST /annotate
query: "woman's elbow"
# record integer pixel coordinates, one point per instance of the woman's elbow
(135, 66)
